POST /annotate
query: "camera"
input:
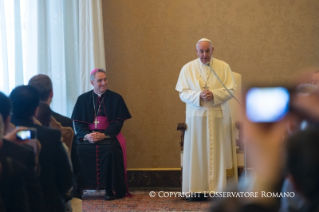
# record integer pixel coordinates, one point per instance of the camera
(30, 133)
(267, 104)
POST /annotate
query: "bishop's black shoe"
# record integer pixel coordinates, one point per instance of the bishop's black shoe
(109, 195)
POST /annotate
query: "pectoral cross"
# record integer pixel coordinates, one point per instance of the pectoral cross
(205, 87)
(96, 122)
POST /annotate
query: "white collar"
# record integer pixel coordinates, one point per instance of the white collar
(202, 64)
(99, 95)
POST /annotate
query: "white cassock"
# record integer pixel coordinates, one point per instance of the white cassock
(207, 142)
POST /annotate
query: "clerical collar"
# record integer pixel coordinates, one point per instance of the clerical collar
(99, 95)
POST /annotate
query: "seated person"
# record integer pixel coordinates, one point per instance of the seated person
(303, 170)
(12, 186)
(44, 115)
(295, 124)
(56, 175)
(98, 117)
(10, 147)
(44, 85)
(45, 118)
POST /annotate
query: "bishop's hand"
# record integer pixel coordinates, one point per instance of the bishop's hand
(89, 138)
(94, 137)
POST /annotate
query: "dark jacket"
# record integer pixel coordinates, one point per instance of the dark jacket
(56, 175)
(67, 122)
(26, 157)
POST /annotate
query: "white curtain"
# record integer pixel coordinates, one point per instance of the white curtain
(61, 38)
(91, 40)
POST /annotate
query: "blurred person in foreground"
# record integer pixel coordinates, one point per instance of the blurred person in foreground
(294, 125)
(55, 176)
(315, 78)
(13, 152)
(267, 152)
(13, 195)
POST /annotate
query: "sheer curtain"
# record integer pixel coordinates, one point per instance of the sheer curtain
(61, 38)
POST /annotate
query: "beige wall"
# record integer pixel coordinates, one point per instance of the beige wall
(148, 41)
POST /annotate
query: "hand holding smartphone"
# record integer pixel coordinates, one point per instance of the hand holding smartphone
(266, 111)
(27, 134)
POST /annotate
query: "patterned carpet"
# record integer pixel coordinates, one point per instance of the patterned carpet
(93, 201)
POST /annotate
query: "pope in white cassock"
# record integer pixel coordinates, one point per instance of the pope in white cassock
(207, 142)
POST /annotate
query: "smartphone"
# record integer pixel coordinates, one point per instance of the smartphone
(267, 104)
(30, 133)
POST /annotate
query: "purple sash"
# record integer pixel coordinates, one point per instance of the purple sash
(102, 124)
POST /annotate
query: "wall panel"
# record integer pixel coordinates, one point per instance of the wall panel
(147, 42)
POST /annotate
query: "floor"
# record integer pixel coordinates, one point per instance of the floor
(163, 200)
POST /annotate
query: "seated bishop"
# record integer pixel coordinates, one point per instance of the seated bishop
(98, 118)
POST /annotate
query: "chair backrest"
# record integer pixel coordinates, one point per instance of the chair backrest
(67, 133)
(236, 113)
(235, 108)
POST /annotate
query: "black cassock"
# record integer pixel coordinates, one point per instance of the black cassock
(102, 163)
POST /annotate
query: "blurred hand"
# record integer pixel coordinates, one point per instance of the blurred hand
(307, 105)
(264, 149)
(12, 135)
(264, 143)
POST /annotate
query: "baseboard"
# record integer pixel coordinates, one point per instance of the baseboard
(154, 169)
(157, 177)
(154, 177)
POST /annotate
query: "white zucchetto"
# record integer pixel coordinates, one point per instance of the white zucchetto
(204, 39)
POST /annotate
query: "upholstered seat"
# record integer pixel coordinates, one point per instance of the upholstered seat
(67, 133)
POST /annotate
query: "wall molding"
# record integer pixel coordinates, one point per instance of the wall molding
(154, 177)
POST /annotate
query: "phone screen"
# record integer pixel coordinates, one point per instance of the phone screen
(267, 104)
(26, 134)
